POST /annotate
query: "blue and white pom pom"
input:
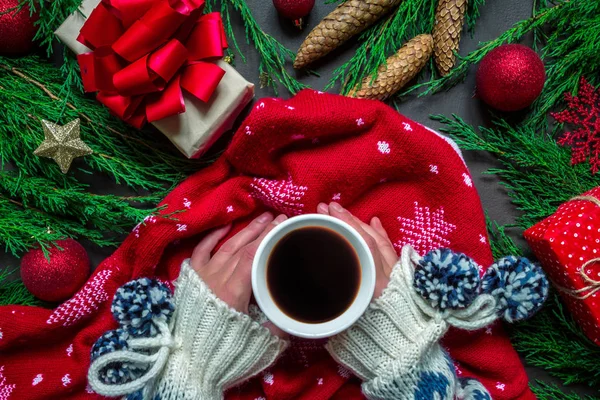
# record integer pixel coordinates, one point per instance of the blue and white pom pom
(139, 304)
(116, 373)
(472, 389)
(519, 286)
(447, 280)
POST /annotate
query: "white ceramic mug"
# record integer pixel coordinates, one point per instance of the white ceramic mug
(303, 329)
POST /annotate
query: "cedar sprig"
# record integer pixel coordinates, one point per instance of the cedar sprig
(473, 14)
(571, 50)
(411, 18)
(544, 391)
(51, 14)
(273, 55)
(566, 32)
(537, 174)
(552, 339)
(501, 242)
(384, 38)
(536, 171)
(13, 292)
(39, 204)
(138, 159)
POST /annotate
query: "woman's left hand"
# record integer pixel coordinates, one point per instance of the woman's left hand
(384, 255)
(228, 272)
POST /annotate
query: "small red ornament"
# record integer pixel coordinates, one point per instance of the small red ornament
(61, 277)
(510, 77)
(16, 28)
(294, 9)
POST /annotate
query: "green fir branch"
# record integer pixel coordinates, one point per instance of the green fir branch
(273, 55)
(378, 42)
(567, 33)
(533, 165)
(51, 14)
(473, 14)
(459, 72)
(13, 292)
(538, 176)
(544, 391)
(385, 38)
(105, 212)
(501, 243)
(25, 228)
(134, 158)
(553, 341)
(38, 203)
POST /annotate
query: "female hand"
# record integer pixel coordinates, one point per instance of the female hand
(228, 272)
(384, 255)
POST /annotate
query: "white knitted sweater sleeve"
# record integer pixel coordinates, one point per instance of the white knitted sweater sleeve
(388, 341)
(218, 347)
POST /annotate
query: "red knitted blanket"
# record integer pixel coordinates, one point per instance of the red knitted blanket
(287, 156)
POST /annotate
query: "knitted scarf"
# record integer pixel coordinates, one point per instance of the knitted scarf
(287, 156)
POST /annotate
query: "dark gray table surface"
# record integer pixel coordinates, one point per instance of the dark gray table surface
(496, 17)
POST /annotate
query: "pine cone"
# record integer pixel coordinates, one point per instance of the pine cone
(348, 19)
(449, 18)
(398, 70)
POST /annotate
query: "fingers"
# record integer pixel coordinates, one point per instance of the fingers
(241, 276)
(201, 253)
(376, 237)
(383, 243)
(254, 245)
(239, 240)
(374, 230)
(323, 208)
(336, 210)
(368, 229)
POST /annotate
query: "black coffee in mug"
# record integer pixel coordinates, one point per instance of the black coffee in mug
(313, 274)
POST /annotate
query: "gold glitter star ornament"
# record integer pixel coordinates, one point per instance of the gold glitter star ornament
(62, 144)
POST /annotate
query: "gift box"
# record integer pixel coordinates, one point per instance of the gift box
(180, 86)
(568, 245)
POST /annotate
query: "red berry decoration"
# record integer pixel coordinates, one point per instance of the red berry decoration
(16, 28)
(510, 77)
(294, 9)
(61, 277)
(583, 115)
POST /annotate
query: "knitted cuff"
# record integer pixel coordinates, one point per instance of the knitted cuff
(218, 346)
(392, 330)
(188, 346)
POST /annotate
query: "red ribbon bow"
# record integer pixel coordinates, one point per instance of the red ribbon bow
(146, 51)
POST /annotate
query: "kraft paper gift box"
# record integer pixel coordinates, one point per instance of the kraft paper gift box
(196, 129)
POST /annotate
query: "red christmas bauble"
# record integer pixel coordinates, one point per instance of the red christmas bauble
(510, 77)
(61, 277)
(16, 28)
(294, 9)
